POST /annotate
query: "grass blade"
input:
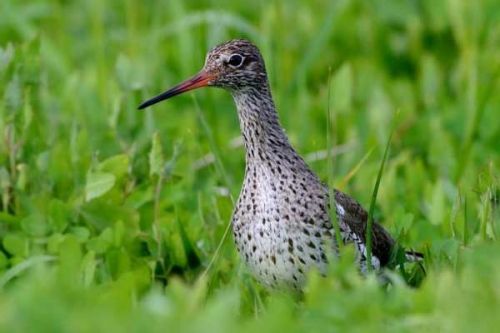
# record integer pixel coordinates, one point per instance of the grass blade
(21, 267)
(225, 178)
(369, 225)
(330, 142)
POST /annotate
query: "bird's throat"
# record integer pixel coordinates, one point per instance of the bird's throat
(259, 123)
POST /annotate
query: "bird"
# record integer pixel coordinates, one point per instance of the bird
(281, 222)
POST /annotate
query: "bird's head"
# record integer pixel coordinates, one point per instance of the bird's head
(233, 65)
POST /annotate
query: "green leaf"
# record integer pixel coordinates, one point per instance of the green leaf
(6, 218)
(156, 159)
(116, 165)
(82, 234)
(59, 215)
(118, 262)
(88, 268)
(177, 250)
(70, 255)
(98, 183)
(3, 261)
(101, 243)
(16, 244)
(53, 243)
(35, 225)
(22, 178)
(118, 233)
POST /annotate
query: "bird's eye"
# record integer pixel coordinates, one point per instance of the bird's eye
(235, 60)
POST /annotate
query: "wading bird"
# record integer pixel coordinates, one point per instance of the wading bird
(281, 222)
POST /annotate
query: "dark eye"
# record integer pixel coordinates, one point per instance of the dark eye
(235, 60)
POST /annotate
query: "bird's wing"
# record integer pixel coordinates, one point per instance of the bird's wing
(354, 216)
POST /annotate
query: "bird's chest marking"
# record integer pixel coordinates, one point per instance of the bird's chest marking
(276, 231)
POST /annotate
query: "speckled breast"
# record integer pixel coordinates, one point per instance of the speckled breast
(281, 235)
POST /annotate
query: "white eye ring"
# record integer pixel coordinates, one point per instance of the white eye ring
(235, 60)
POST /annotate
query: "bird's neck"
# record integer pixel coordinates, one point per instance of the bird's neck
(262, 133)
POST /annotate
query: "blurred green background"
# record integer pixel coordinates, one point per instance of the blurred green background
(110, 218)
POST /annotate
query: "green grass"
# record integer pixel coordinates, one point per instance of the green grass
(110, 220)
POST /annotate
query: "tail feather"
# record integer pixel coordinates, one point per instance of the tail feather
(413, 256)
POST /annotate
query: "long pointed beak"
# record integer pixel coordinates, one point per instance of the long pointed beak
(199, 80)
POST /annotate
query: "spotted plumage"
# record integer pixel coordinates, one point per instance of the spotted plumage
(281, 223)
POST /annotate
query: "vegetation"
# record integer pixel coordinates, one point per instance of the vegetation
(111, 218)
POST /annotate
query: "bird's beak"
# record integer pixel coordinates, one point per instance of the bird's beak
(202, 79)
